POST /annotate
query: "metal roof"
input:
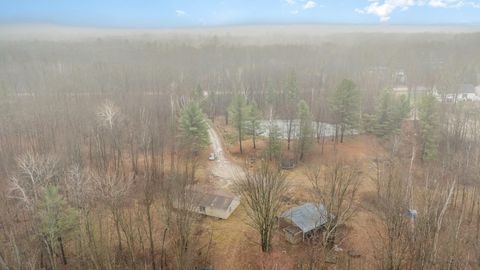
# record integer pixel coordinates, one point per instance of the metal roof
(212, 198)
(307, 216)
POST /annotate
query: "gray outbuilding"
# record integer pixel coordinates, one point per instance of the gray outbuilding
(303, 221)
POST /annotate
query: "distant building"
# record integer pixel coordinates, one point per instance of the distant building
(464, 92)
(468, 92)
(400, 77)
(301, 222)
(404, 90)
(212, 202)
(400, 90)
(414, 93)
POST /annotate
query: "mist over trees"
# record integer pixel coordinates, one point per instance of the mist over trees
(101, 140)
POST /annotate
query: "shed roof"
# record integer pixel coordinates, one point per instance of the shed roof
(307, 216)
(212, 198)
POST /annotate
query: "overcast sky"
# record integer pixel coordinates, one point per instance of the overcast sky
(188, 13)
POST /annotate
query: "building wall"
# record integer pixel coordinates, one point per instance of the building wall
(466, 96)
(294, 239)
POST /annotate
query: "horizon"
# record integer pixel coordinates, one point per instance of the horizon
(240, 25)
(252, 34)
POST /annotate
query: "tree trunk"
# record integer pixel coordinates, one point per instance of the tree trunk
(62, 250)
(163, 258)
(342, 131)
(150, 235)
(117, 227)
(240, 140)
(3, 264)
(336, 134)
(289, 134)
(265, 239)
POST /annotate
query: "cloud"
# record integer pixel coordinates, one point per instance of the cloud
(180, 13)
(384, 9)
(446, 3)
(295, 12)
(309, 5)
(290, 2)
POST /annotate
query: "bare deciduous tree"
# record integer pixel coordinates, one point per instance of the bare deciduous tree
(35, 172)
(112, 190)
(180, 207)
(338, 193)
(108, 113)
(262, 190)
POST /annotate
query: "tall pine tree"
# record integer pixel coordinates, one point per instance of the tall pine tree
(193, 128)
(274, 146)
(56, 221)
(390, 110)
(239, 114)
(253, 124)
(305, 130)
(429, 126)
(345, 105)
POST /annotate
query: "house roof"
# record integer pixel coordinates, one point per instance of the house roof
(307, 216)
(212, 198)
(466, 89)
(404, 88)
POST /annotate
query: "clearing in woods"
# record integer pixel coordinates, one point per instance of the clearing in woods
(236, 243)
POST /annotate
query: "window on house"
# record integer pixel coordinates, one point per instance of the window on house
(202, 209)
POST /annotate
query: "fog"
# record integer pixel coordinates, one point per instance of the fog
(245, 34)
(108, 135)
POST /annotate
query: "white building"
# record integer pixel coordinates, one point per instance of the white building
(464, 92)
(211, 202)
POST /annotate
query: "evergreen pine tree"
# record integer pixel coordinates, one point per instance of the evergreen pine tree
(239, 113)
(305, 131)
(345, 104)
(429, 126)
(56, 220)
(253, 124)
(193, 128)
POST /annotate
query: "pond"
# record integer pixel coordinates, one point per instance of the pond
(324, 129)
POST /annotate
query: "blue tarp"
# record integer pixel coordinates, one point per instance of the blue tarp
(307, 216)
(412, 213)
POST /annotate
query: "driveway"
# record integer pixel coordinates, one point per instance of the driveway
(224, 171)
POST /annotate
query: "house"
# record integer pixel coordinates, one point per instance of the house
(212, 202)
(464, 92)
(467, 92)
(400, 90)
(301, 222)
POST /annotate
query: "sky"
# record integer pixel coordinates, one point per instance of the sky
(198, 13)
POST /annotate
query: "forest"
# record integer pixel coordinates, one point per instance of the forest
(102, 140)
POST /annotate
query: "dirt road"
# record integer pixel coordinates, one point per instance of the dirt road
(223, 170)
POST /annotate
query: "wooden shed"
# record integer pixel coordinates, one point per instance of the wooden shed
(303, 221)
